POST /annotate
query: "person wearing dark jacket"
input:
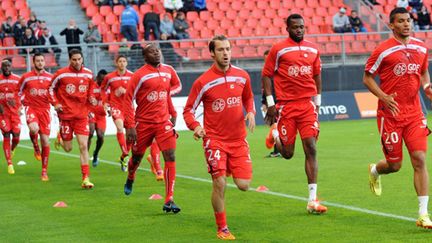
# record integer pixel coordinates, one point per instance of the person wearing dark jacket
(151, 21)
(423, 19)
(48, 40)
(29, 40)
(72, 33)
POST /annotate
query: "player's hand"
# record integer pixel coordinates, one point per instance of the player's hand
(1, 109)
(106, 106)
(250, 119)
(131, 134)
(58, 108)
(428, 91)
(11, 102)
(173, 120)
(93, 101)
(264, 108)
(120, 91)
(199, 132)
(271, 114)
(391, 103)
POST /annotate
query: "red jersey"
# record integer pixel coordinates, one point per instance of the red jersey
(34, 89)
(111, 83)
(150, 87)
(224, 95)
(71, 89)
(97, 94)
(399, 68)
(9, 91)
(292, 66)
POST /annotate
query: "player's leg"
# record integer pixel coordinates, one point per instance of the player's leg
(7, 151)
(239, 163)
(45, 155)
(285, 134)
(92, 128)
(170, 175)
(16, 130)
(65, 136)
(218, 203)
(84, 156)
(119, 123)
(154, 159)
(391, 140)
(34, 135)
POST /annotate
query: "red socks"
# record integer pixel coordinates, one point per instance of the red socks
(122, 142)
(170, 174)
(7, 149)
(85, 171)
(155, 154)
(132, 168)
(45, 155)
(34, 140)
(221, 220)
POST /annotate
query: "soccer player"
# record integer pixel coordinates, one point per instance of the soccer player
(10, 109)
(114, 88)
(150, 88)
(97, 117)
(224, 90)
(295, 66)
(34, 93)
(70, 95)
(402, 65)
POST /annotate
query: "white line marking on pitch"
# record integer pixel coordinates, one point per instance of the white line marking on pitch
(337, 205)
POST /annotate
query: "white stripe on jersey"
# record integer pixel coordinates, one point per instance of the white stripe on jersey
(31, 78)
(214, 83)
(147, 77)
(291, 49)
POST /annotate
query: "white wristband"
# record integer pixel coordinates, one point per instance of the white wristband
(270, 100)
(317, 100)
(426, 86)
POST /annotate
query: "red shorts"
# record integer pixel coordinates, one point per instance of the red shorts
(413, 131)
(69, 127)
(164, 134)
(40, 116)
(225, 158)
(117, 113)
(99, 120)
(10, 122)
(297, 115)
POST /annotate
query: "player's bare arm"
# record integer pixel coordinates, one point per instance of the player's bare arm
(388, 99)
(426, 84)
(131, 134)
(173, 120)
(317, 98)
(58, 108)
(250, 119)
(271, 114)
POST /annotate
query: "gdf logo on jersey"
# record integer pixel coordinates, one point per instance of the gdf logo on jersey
(295, 70)
(70, 88)
(400, 69)
(218, 105)
(153, 96)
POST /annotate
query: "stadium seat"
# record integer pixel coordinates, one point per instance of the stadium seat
(312, 3)
(361, 37)
(326, 3)
(113, 48)
(103, 27)
(257, 13)
(186, 44)
(283, 13)
(115, 28)
(85, 3)
(224, 6)
(7, 4)
(18, 62)
(265, 22)
(261, 49)
(246, 32)
(111, 19)
(252, 23)
(357, 47)
(370, 46)
(25, 13)
(332, 48)
(249, 5)
(308, 12)
(274, 31)
(275, 5)
(10, 12)
(50, 60)
(19, 4)
(211, 6)
(249, 51)
(236, 52)
(263, 5)
(237, 5)
(278, 22)
(98, 19)
(213, 24)
(270, 13)
(206, 33)
(287, 4)
(192, 16)
(233, 32)
(226, 23)
(260, 31)
(198, 24)
(8, 41)
(221, 15)
(243, 14)
(145, 8)
(313, 29)
(91, 10)
(321, 11)
(205, 15)
(109, 37)
(194, 53)
(118, 9)
(241, 42)
(105, 10)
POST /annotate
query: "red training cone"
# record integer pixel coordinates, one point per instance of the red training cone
(262, 189)
(60, 204)
(155, 197)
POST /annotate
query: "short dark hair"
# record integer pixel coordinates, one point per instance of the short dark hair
(37, 54)
(75, 51)
(101, 72)
(397, 11)
(213, 41)
(7, 59)
(120, 56)
(353, 11)
(293, 16)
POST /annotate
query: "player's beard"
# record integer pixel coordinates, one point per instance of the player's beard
(296, 38)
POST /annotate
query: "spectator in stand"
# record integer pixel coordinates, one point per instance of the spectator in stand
(129, 23)
(181, 26)
(39, 31)
(33, 21)
(423, 19)
(7, 27)
(50, 42)
(172, 6)
(29, 40)
(19, 30)
(151, 21)
(169, 55)
(2, 34)
(402, 4)
(92, 35)
(356, 23)
(373, 2)
(341, 23)
(200, 5)
(416, 4)
(167, 27)
(124, 47)
(72, 33)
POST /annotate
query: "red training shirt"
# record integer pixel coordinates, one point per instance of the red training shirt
(9, 91)
(34, 89)
(111, 83)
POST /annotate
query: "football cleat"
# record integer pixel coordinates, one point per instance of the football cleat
(374, 183)
(152, 168)
(225, 234)
(86, 184)
(123, 162)
(58, 142)
(128, 186)
(424, 222)
(11, 170)
(170, 206)
(44, 176)
(37, 155)
(269, 142)
(315, 207)
(95, 161)
(159, 176)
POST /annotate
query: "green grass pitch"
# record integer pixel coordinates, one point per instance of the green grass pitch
(105, 214)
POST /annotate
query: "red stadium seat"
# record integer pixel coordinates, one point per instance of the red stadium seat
(198, 24)
(257, 13)
(25, 13)
(335, 38)
(252, 23)
(273, 31)
(206, 33)
(220, 14)
(211, 6)
(259, 30)
(205, 15)
(357, 47)
(224, 6)
(242, 42)
(145, 8)
(308, 12)
(97, 19)
(370, 46)
(317, 20)
(261, 49)
(299, 3)
(263, 5)
(118, 9)
(237, 5)
(115, 28)
(18, 62)
(283, 13)
(103, 28)
(313, 29)
(85, 3)
(109, 37)
(275, 5)
(233, 32)
(19, 4)
(111, 19)
(287, 4)
(322, 39)
(332, 48)
(92, 10)
(312, 3)
(105, 10)
(246, 32)
(213, 24)
(8, 41)
(321, 11)
(113, 48)
(270, 13)
(249, 51)
(186, 44)
(326, 3)
(192, 16)
(5, 4)
(249, 5)
(50, 60)
(226, 23)
(278, 22)
(194, 53)
(236, 52)
(244, 14)
(362, 37)
(10, 11)
(265, 22)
